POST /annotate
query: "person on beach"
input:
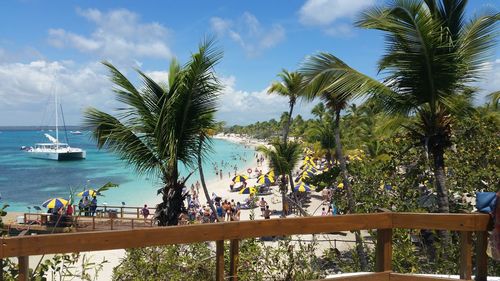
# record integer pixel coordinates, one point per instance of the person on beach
(220, 173)
(145, 212)
(237, 214)
(86, 206)
(219, 211)
(267, 213)
(197, 187)
(93, 206)
(323, 212)
(80, 207)
(69, 210)
(262, 205)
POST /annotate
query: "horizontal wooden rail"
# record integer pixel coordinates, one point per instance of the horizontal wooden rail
(453, 222)
(120, 239)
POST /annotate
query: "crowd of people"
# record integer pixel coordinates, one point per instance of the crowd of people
(87, 206)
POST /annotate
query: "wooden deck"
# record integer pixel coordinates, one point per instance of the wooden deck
(467, 224)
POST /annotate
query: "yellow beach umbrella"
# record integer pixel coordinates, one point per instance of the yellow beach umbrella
(302, 187)
(265, 180)
(270, 173)
(240, 178)
(55, 203)
(89, 192)
(248, 190)
(340, 185)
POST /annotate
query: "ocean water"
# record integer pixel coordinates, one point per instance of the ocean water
(26, 181)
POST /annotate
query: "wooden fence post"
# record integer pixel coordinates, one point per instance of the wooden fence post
(1, 269)
(93, 223)
(121, 212)
(132, 223)
(23, 263)
(138, 212)
(383, 256)
(219, 260)
(481, 256)
(234, 257)
(111, 222)
(465, 255)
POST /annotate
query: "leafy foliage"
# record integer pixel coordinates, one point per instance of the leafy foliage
(60, 267)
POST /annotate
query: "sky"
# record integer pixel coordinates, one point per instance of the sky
(58, 46)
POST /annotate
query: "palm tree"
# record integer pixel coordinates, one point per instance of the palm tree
(432, 55)
(203, 148)
(323, 133)
(290, 87)
(283, 157)
(160, 125)
(319, 111)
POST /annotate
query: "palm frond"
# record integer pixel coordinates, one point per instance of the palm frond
(112, 134)
(324, 73)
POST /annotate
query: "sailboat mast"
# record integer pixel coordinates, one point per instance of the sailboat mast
(57, 125)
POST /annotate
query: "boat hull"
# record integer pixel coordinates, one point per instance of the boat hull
(61, 156)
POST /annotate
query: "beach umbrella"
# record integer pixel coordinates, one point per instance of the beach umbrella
(307, 166)
(265, 180)
(312, 170)
(340, 185)
(308, 173)
(248, 190)
(88, 193)
(302, 177)
(240, 178)
(270, 173)
(302, 187)
(55, 203)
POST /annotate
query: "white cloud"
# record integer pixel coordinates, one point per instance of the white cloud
(491, 81)
(119, 35)
(339, 30)
(27, 89)
(249, 33)
(158, 76)
(244, 107)
(325, 12)
(334, 16)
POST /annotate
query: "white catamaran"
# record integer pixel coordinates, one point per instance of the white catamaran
(55, 150)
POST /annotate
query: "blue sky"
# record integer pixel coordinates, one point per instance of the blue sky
(48, 46)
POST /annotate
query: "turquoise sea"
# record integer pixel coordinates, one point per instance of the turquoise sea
(26, 181)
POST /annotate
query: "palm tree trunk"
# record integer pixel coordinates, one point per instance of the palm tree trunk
(343, 165)
(168, 211)
(202, 179)
(350, 198)
(283, 190)
(442, 192)
(289, 123)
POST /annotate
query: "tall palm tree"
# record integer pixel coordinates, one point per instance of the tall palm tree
(203, 148)
(159, 125)
(335, 101)
(323, 133)
(432, 55)
(283, 157)
(290, 87)
(319, 111)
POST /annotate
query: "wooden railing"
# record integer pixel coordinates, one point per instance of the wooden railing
(124, 210)
(106, 222)
(384, 223)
